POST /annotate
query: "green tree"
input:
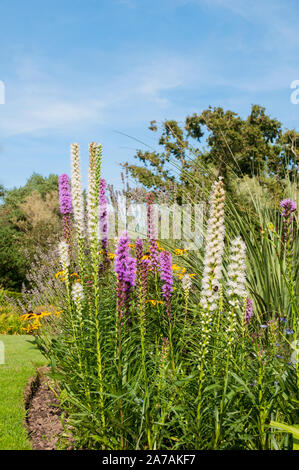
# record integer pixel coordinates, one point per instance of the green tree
(29, 215)
(235, 147)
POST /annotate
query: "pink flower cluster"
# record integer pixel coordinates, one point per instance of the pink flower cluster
(65, 198)
(125, 267)
(166, 276)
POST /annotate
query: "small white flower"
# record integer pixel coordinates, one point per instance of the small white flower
(78, 206)
(77, 292)
(186, 282)
(212, 273)
(236, 291)
(63, 250)
(236, 269)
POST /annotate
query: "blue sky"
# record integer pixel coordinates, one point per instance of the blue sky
(89, 70)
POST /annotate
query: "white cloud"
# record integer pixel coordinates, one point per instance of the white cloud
(31, 114)
(37, 101)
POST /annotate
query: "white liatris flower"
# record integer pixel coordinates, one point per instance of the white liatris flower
(212, 272)
(64, 257)
(236, 271)
(78, 205)
(186, 282)
(236, 291)
(77, 293)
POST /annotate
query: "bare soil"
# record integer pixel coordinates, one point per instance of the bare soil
(43, 414)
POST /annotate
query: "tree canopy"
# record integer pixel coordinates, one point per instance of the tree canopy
(221, 141)
(28, 216)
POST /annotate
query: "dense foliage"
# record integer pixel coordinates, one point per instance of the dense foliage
(29, 216)
(222, 142)
(157, 347)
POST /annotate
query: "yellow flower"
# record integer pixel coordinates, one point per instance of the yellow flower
(271, 227)
(111, 255)
(27, 329)
(159, 246)
(36, 324)
(175, 267)
(182, 273)
(44, 314)
(28, 316)
(131, 245)
(57, 313)
(155, 302)
(60, 275)
(180, 251)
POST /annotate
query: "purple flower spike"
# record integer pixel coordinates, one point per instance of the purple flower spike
(125, 267)
(139, 250)
(65, 202)
(288, 207)
(166, 276)
(124, 263)
(249, 310)
(65, 198)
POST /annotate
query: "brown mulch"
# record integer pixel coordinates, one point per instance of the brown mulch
(43, 414)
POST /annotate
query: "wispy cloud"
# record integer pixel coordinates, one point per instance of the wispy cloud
(37, 101)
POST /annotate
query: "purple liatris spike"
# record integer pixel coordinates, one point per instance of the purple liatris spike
(129, 273)
(288, 207)
(166, 276)
(65, 198)
(65, 202)
(124, 263)
(139, 250)
(249, 310)
(125, 267)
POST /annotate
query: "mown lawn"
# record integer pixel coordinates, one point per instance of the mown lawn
(21, 360)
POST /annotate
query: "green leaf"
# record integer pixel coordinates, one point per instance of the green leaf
(294, 430)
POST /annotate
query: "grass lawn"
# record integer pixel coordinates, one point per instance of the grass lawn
(21, 359)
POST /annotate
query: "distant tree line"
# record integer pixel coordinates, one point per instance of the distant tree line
(223, 143)
(29, 216)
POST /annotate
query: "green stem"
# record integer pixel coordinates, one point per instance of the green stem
(218, 428)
